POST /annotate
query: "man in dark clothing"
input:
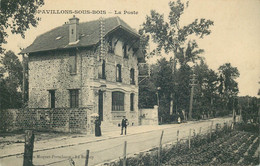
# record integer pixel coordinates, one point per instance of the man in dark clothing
(124, 125)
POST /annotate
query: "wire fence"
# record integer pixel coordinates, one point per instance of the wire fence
(125, 150)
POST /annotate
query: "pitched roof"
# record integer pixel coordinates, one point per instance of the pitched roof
(58, 38)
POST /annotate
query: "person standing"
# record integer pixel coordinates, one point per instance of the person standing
(124, 124)
(97, 127)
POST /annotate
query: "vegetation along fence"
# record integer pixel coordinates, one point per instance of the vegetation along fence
(215, 144)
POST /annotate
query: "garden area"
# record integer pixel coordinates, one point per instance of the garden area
(229, 145)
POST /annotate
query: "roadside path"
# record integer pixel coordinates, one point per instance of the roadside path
(105, 148)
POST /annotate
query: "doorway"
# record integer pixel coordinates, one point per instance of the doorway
(100, 105)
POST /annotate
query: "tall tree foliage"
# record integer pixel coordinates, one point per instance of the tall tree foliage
(163, 80)
(249, 108)
(17, 16)
(157, 85)
(229, 88)
(182, 88)
(206, 92)
(170, 35)
(11, 80)
(173, 37)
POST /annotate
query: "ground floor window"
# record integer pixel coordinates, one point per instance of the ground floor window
(118, 101)
(74, 98)
(52, 98)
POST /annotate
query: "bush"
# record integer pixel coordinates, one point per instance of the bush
(247, 127)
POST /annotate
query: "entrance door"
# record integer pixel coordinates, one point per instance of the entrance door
(100, 105)
(52, 98)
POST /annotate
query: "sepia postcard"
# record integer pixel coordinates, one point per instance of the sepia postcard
(129, 83)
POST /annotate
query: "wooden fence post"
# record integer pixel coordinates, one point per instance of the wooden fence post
(217, 126)
(28, 148)
(124, 159)
(178, 136)
(159, 150)
(211, 129)
(189, 138)
(87, 157)
(72, 162)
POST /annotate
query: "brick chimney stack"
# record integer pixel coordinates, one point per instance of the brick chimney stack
(73, 29)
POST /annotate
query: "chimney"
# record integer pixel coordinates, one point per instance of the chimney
(73, 29)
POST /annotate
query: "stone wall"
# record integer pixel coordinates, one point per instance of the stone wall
(50, 71)
(149, 116)
(63, 120)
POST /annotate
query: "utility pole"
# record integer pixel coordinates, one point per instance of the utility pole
(233, 109)
(23, 94)
(102, 32)
(191, 94)
(157, 94)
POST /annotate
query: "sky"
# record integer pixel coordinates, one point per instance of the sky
(235, 36)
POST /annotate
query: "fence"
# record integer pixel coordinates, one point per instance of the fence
(127, 152)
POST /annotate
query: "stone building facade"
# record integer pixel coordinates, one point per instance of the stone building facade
(77, 66)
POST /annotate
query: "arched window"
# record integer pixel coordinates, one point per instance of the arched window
(132, 96)
(125, 50)
(111, 45)
(118, 73)
(132, 76)
(118, 101)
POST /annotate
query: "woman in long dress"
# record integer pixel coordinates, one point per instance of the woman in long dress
(97, 127)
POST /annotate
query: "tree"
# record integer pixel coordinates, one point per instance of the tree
(190, 55)
(172, 37)
(161, 76)
(205, 90)
(229, 88)
(17, 16)
(182, 88)
(147, 94)
(249, 109)
(11, 81)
